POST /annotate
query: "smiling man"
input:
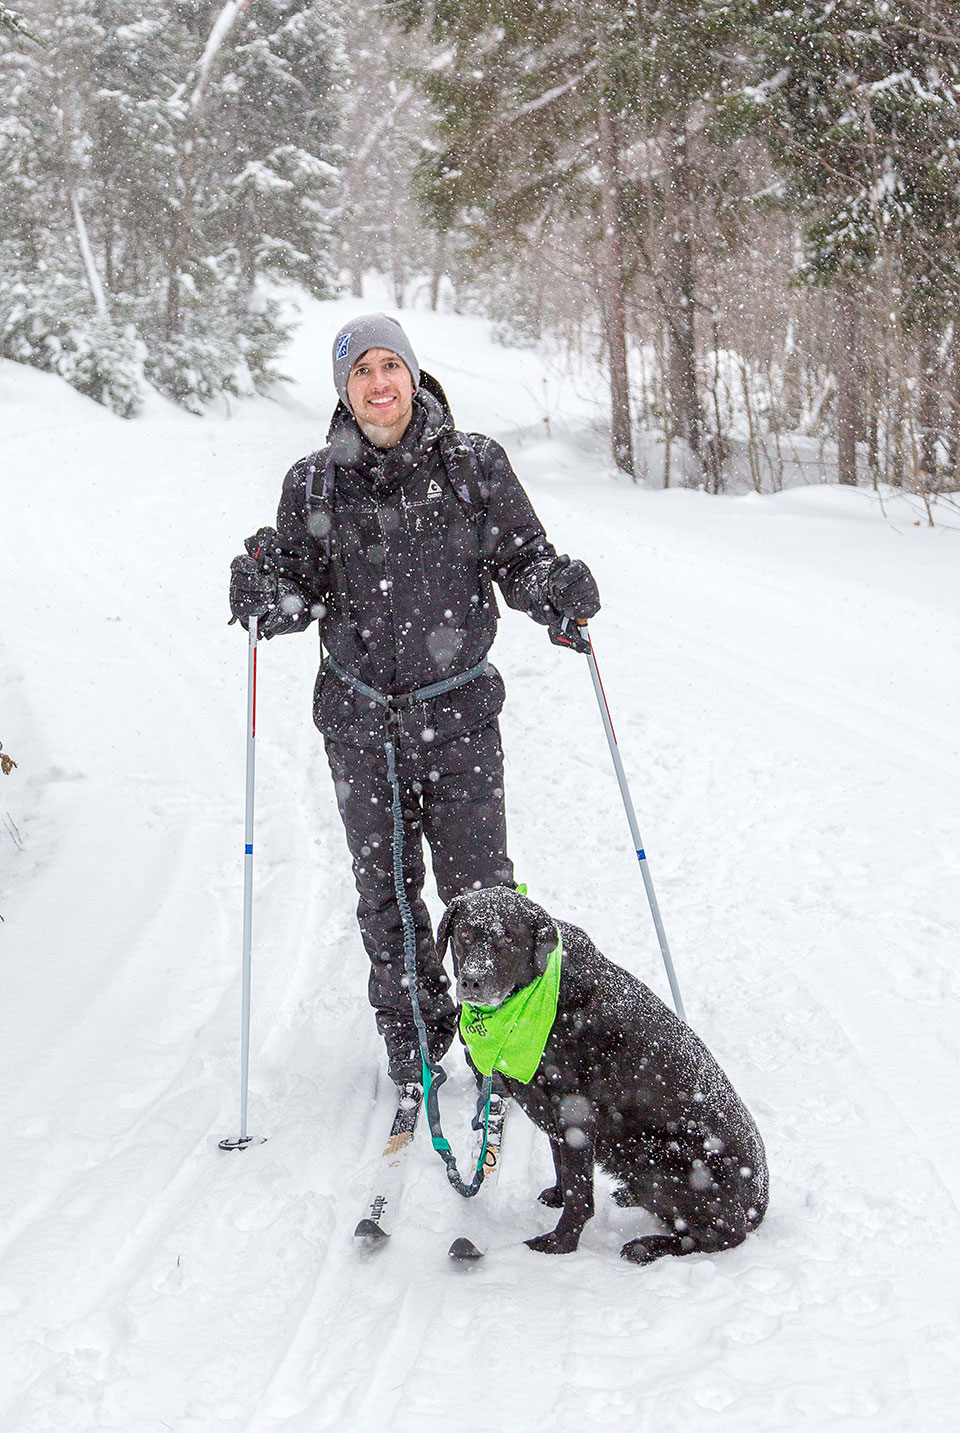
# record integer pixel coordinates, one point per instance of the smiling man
(380, 394)
(391, 537)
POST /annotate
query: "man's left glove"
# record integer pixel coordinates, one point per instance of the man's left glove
(573, 593)
(565, 632)
(572, 589)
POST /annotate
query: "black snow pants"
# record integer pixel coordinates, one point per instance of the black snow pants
(451, 793)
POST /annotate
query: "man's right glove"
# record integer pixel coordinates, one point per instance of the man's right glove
(573, 593)
(572, 588)
(254, 589)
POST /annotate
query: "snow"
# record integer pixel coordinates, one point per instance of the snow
(782, 673)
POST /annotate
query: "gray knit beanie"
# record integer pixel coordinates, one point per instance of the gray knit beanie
(372, 330)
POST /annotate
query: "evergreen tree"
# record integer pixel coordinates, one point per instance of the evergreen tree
(271, 149)
(386, 125)
(53, 311)
(599, 108)
(519, 95)
(189, 155)
(14, 24)
(864, 104)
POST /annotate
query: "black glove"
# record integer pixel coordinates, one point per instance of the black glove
(572, 589)
(253, 577)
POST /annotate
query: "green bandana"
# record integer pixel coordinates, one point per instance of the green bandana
(511, 1037)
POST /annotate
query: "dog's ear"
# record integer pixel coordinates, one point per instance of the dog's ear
(443, 929)
(546, 937)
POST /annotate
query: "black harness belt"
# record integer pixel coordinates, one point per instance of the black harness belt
(402, 700)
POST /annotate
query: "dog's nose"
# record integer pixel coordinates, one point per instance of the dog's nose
(469, 985)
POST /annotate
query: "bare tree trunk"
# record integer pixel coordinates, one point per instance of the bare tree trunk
(716, 454)
(953, 430)
(683, 358)
(753, 456)
(895, 475)
(928, 408)
(662, 345)
(847, 397)
(875, 389)
(436, 269)
(398, 270)
(612, 283)
(793, 402)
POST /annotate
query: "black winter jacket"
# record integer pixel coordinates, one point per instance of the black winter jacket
(398, 567)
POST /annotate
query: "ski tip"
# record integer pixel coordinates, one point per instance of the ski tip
(464, 1249)
(370, 1233)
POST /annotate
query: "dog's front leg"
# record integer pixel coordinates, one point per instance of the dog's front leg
(552, 1196)
(576, 1184)
(573, 1158)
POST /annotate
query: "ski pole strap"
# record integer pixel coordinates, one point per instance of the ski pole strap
(406, 699)
(433, 1073)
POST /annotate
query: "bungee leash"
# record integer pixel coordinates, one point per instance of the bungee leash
(434, 1074)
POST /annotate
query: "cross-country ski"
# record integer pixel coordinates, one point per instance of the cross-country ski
(467, 1247)
(378, 1222)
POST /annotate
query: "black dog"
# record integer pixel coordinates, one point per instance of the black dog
(622, 1083)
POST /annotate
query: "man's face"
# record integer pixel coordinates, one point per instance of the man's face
(380, 392)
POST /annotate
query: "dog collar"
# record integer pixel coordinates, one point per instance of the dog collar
(511, 1037)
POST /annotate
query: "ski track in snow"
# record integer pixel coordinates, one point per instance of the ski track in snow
(783, 679)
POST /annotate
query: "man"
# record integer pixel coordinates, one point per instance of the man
(392, 537)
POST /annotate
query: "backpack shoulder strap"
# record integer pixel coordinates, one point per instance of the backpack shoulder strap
(321, 480)
(321, 462)
(463, 462)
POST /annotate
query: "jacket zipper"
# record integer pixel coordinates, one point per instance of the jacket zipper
(387, 577)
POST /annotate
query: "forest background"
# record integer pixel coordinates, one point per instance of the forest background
(746, 213)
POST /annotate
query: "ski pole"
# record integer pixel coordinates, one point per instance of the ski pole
(243, 1139)
(632, 819)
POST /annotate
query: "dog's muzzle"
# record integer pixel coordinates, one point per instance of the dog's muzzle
(479, 987)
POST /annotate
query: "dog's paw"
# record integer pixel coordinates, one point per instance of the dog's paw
(654, 1246)
(553, 1243)
(551, 1197)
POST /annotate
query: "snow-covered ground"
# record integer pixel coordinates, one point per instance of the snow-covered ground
(783, 674)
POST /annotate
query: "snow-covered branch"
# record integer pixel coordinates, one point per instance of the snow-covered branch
(222, 26)
(384, 122)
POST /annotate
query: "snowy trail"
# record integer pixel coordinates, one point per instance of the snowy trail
(784, 681)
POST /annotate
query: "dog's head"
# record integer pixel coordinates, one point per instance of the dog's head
(500, 942)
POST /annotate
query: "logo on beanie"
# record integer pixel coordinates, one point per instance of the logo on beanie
(343, 345)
